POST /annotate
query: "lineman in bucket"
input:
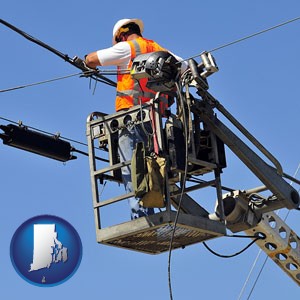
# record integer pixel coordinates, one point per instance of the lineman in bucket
(128, 42)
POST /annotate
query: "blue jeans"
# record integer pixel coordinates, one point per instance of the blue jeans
(128, 138)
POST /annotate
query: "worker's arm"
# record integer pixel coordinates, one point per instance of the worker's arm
(118, 55)
(92, 60)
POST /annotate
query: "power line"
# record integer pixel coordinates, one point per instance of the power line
(125, 71)
(247, 37)
(81, 74)
(76, 61)
(249, 274)
(255, 34)
(40, 82)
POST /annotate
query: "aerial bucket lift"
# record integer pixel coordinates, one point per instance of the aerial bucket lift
(192, 141)
(149, 234)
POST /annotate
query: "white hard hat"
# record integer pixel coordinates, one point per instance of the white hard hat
(124, 22)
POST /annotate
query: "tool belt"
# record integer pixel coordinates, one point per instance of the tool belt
(148, 177)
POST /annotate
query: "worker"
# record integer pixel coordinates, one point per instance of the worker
(128, 42)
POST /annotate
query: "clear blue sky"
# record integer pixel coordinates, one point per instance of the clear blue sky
(258, 83)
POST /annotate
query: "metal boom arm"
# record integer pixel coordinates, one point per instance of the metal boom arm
(285, 194)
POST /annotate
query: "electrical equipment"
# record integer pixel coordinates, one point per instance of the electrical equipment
(209, 64)
(23, 138)
(192, 141)
(204, 155)
(104, 129)
(160, 67)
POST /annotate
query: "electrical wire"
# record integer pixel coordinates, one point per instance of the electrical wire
(255, 34)
(246, 37)
(40, 82)
(126, 71)
(81, 74)
(256, 238)
(76, 61)
(249, 274)
(181, 195)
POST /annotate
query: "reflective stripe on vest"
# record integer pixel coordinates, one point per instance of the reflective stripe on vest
(131, 92)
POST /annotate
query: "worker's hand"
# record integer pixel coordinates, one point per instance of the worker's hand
(80, 63)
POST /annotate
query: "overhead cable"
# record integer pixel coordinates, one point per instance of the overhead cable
(247, 37)
(124, 71)
(76, 61)
(40, 82)
(81, 74)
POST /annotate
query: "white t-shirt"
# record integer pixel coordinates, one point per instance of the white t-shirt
(117, 55)
(120, 54)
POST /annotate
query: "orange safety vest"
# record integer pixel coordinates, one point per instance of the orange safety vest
(131, 92)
